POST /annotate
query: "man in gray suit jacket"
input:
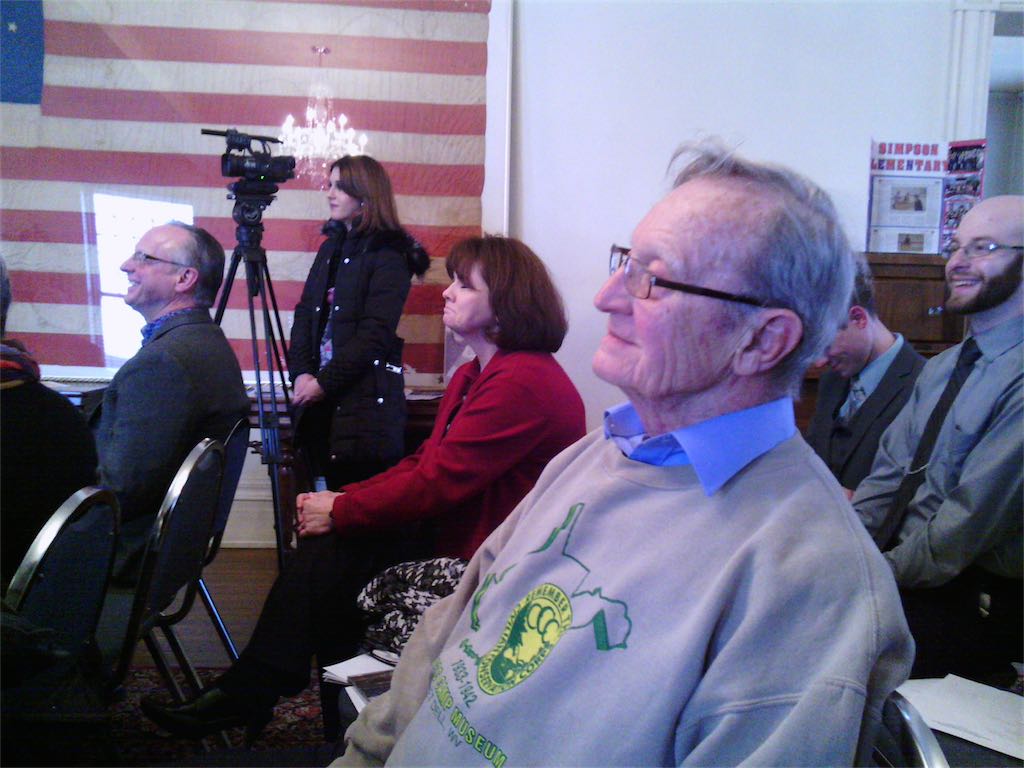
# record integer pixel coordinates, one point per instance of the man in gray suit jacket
(183, 385)
(872, 374)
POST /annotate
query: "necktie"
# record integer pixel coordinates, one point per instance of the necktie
(886, 534)
(853, 402)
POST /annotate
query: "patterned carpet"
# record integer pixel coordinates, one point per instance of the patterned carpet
(140, 743)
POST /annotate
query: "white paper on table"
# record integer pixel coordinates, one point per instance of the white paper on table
(357, 665)
(975, 712)
(356, 697)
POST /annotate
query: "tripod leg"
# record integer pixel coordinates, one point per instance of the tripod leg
(250, 201)
(280, 330)
(229, 282)
(269, 410)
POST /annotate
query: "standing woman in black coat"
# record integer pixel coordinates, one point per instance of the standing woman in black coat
(345, 357)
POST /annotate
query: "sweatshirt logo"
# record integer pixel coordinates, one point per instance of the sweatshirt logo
(533, 629)
(541, 618)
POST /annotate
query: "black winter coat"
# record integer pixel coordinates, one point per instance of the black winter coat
(363, 381)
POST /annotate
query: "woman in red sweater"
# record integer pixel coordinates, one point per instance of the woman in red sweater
(504, 415)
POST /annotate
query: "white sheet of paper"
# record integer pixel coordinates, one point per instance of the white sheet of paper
(356, 697)
(357, 665)
(972, 711)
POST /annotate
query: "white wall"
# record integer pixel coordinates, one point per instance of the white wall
(603, 92)
(1004, 161)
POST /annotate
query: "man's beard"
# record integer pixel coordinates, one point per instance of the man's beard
(994, 291)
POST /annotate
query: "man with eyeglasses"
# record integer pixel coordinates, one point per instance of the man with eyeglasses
(688, 584)
(183, 385)
(944, 498)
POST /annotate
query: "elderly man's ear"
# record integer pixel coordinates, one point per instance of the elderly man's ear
(764, 345)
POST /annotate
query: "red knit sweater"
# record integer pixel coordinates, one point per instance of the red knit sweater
(495, 432)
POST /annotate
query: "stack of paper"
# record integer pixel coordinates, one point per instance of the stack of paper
(357, 665)
(972, 711)
(343, 671)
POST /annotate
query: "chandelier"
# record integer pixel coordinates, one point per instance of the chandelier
(325, 137)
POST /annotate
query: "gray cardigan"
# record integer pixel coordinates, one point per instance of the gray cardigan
(183, 385)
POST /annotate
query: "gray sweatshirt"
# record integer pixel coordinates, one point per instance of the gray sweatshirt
(622, 617)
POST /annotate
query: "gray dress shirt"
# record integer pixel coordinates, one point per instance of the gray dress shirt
(969, 508)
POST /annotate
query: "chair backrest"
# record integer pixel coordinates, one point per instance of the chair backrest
(904, 737)
(63, 577)
(177, 546)
(236, 448)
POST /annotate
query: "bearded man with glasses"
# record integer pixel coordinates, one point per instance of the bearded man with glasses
(688, 584)
(183, 385)
(945, 493)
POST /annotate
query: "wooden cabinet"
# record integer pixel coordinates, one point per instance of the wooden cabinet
(420, 421)
(910, 290)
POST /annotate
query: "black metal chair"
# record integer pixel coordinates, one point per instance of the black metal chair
(171, 567)
(904, 738)
(50, 613)
(63, 577)
(235, 450)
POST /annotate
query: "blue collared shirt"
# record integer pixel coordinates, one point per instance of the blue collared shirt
(150, 328)
(717, 448)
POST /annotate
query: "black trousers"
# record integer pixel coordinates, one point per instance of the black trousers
(313, 441)
(972, 626)
(311, 611)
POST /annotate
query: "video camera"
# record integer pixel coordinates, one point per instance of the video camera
(250, 164)
(260, 174)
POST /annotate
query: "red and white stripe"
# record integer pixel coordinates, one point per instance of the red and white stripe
(127, 87)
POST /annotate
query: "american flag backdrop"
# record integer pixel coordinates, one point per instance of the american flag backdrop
(109, 96)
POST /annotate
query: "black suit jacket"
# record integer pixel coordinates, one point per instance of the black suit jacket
(849, 449)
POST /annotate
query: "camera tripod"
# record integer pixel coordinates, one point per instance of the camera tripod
(251, 198)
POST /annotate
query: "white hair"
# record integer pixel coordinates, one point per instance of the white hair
(800, 259)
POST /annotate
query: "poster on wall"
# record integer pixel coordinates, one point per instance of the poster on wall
(964, 184)
(906, 196)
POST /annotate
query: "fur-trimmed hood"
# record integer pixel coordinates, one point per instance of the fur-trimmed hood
(398, 239)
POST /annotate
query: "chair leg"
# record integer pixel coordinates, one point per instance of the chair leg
(162, 666)
(184, 663)
(189, 671)
(221, 737)
(218, 623)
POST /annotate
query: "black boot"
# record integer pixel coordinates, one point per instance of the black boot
(213, 710)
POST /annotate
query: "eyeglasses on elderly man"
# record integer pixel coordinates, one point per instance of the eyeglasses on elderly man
(639, 281)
